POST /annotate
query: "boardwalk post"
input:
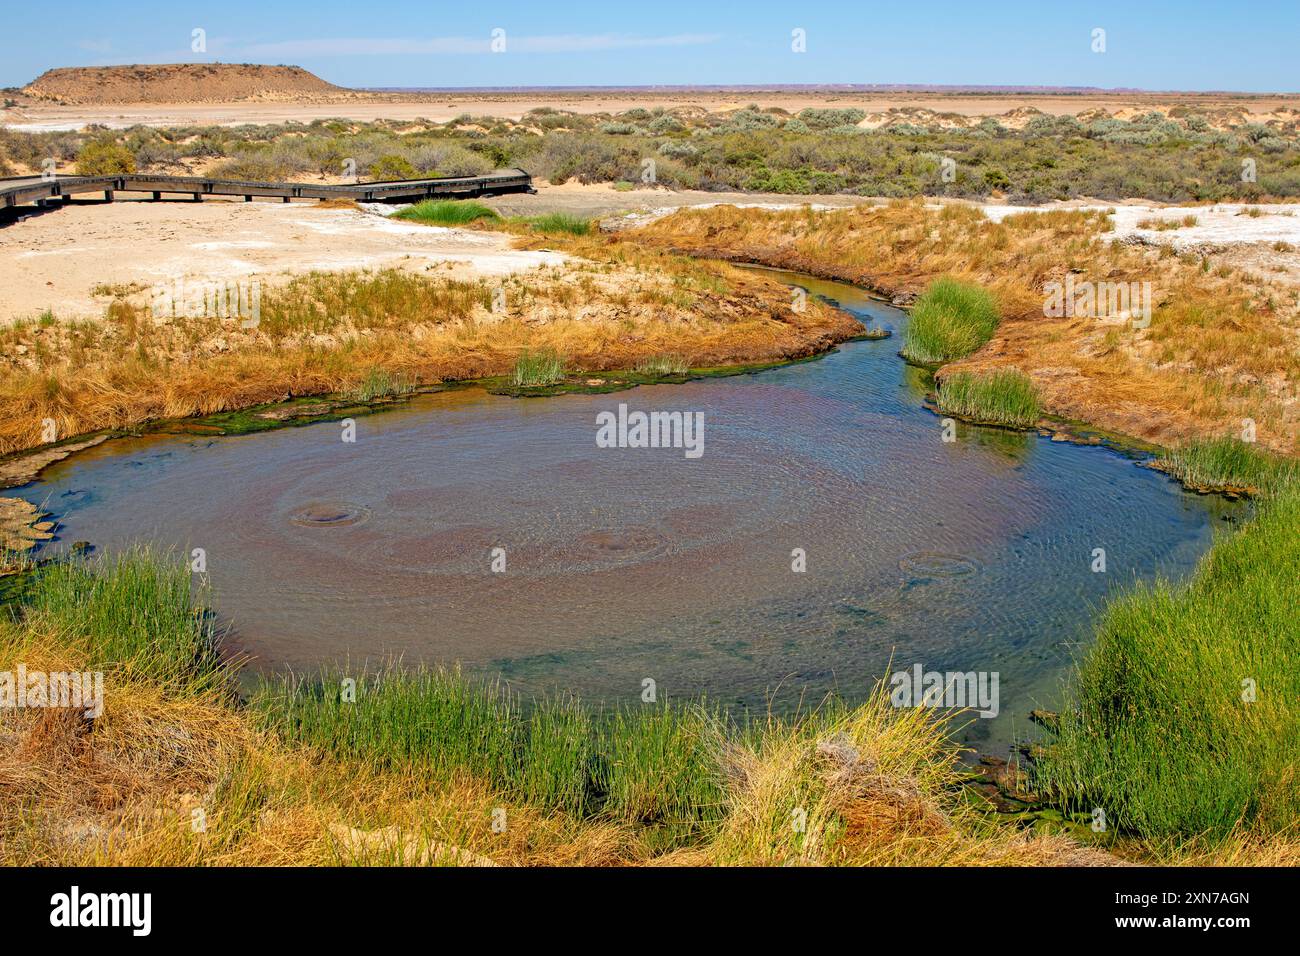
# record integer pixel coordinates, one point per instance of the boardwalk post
(108, 195)
(156, 195)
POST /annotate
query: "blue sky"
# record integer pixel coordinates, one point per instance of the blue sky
(1152, 44)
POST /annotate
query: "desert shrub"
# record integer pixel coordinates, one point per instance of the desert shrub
(449, 159)
(663, 125)
(815, 118)
(750, 119)
(392, 166)
(677, 149)
(104, 158)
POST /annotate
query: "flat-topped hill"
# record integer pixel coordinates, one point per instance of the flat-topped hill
(179, 83)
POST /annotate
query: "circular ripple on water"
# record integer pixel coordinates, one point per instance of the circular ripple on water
(328, 514)
(619, 544)
(938, 564)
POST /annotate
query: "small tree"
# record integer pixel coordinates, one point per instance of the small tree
(104, 158)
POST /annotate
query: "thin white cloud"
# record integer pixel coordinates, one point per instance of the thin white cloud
(410, 46)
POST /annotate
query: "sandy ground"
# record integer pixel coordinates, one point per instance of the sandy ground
(1219, 223)
(1263, 238)
(54, 260)
(440, 107)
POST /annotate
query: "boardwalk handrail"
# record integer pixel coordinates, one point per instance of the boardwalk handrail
(18, 190)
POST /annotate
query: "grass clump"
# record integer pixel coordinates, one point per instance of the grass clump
(538, 369)
(446, 212)
(381, 383)
(132, 611)
(1217, 464)
(1186, 713)
(1001, 397)
(561, 223)
(431, 717)
(661, 768)
(950, 320)
(1165, 225)
(663, 365)
(643, 766)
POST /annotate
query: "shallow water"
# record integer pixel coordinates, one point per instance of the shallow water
(623, 564)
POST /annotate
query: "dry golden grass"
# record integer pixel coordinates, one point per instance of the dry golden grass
(1222, 345)
(325, 332)
(121, 790)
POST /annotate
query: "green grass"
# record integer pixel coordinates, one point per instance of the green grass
(1228, 463)
(647, 764)
(380, 383)
(538, 369)
(660, 766)
(950, 320)
(446, 212)
(434, 718)
(662, 365)
(1001, 397)
(1158, 734)
(559, 222)
(133, 610)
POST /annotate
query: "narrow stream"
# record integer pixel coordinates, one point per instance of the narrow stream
(628, 563)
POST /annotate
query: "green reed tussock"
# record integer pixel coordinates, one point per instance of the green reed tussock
(562, 223)
(663, 365)
(1000, 397)
(381, 383)
(1228, 463)
(949, 320)
(646, 764)
(446, 212)
(134, 610)
(1184, 718)
(536, 369)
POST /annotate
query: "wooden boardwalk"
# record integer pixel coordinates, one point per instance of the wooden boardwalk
(19, 190)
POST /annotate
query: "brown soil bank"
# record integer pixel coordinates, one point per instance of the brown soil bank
(1222, 345)
(176, 83)
(353, 332)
